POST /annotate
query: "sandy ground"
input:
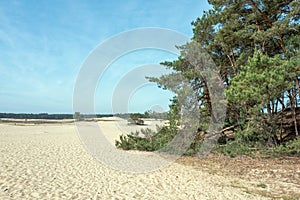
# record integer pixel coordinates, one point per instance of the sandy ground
(48, 161)
(278, 178)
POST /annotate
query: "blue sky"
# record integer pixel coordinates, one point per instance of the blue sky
(44, 43)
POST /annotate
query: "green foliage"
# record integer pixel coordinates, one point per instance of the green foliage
(239, 146)
(255, 46)
(150, 142)
(77, 116)
(262, 185)
(158, 141)
(147, 114)
(155, 115)
(289, 148)
(36, 116)
(242, 146)
(135, 118)
(155, 142)
(194, 148)
(261, 80)
(260, 83)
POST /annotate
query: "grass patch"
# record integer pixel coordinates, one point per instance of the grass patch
(262, 185)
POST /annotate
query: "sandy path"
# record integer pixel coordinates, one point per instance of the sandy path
(49, 162)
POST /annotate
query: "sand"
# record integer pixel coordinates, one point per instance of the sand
(48, 161)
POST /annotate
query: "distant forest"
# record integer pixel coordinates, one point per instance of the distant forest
(47, 116)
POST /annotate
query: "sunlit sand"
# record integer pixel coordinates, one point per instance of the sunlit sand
(48, 161)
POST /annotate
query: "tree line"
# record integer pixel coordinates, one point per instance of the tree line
(49, 116)
(255, 47)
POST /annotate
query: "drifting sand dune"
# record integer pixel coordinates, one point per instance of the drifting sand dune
(48, 161)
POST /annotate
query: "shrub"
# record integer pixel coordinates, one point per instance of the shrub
(240, 146)
(77, 116)
(135, 118)
(235, 148)
(289, 148)
(155, 141)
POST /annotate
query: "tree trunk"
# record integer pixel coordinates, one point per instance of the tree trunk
(297, 85)
(282, 102)
(269, 105)
(281, 130)
(295, 121)
(269, 111)
(207, 96)
(292, 100)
